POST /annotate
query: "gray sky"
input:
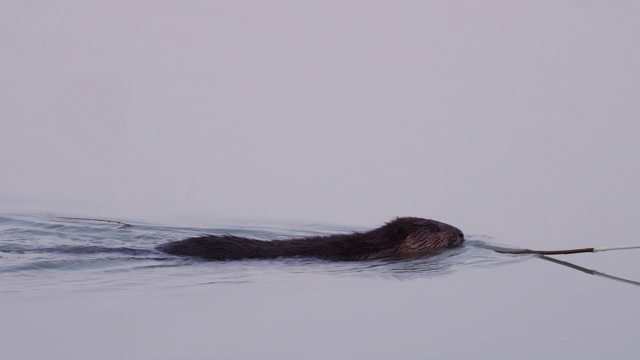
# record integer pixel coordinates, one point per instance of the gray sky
(512, 119)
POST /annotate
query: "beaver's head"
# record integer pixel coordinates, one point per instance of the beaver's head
(418, 235)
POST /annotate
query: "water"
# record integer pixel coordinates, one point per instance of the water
(94, 289)
(45, 254)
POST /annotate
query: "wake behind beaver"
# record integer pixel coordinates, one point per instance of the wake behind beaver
(399, 238)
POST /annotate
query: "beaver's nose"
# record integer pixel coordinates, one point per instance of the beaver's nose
(457, 232)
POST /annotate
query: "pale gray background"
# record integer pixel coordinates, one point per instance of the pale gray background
(512, 119)
(504, 118)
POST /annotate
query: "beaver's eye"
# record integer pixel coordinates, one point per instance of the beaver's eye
(400, 232)
(433, 227)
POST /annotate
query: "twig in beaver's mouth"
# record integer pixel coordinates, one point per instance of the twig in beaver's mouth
(514, 251)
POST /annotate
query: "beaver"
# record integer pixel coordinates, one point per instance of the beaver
(400, 238)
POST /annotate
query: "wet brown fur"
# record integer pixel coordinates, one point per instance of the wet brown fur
(402, 237)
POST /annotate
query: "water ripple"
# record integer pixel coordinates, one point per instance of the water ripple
(40, 253)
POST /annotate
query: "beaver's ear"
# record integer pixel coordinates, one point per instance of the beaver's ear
(400, 233)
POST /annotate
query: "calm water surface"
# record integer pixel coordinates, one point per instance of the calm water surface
(89, 289)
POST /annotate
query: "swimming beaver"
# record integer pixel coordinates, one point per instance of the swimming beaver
(402, 237)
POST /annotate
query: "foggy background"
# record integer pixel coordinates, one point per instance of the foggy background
(512, 119)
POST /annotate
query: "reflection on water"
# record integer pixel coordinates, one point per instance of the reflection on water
(589, 271)
(45, 253)
(60, 277)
